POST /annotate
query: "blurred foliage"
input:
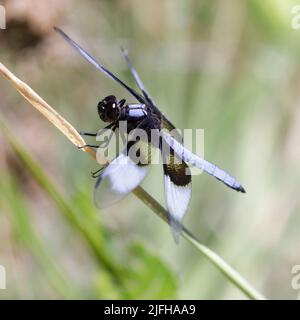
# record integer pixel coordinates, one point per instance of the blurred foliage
(143, 276)
(230, 67)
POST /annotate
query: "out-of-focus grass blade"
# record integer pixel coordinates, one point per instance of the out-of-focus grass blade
(147, 277)
(140, 271)
(22, 227)
(90, 230)
(150, 278)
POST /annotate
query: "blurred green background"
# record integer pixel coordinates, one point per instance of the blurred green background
(230, 67)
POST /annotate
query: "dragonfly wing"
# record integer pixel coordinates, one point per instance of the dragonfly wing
(117, 180)
(123, 174)
(178, 189)
(136, 77)
(97, 64)
(165, 122)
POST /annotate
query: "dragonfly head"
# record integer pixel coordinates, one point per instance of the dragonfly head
(109, 109)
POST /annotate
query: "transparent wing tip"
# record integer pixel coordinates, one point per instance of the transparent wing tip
(124, 51)
(60, 31)
(176, 228)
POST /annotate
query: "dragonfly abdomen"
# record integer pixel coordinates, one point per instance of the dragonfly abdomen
(194, 160)
(221, 175)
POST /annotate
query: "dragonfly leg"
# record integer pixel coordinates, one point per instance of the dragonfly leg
(88, 145)
(87, 134)
(110, 126)
(105, 143)
(97, 173)
(113, 126)
(121, 103)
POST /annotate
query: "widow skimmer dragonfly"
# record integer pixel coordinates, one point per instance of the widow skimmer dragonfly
(122, 175)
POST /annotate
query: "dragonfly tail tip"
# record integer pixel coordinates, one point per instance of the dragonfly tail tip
(241, 189)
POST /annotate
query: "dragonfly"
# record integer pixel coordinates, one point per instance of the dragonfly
(122, 175)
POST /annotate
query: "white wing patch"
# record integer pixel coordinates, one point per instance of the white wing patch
(117, 180)
(177, 199)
